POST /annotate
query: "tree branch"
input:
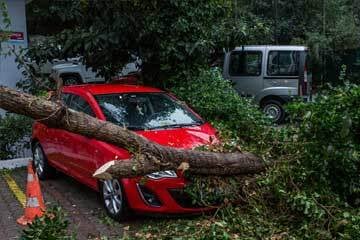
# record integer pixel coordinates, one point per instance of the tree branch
(151, 157)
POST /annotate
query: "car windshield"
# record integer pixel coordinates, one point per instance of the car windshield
(139, 111)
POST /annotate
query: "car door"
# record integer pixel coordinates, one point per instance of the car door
(283, 70)
(245, 70)
(51, 143)
(79, 151)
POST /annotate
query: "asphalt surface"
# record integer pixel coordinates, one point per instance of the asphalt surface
(10, 210)
(81, 204)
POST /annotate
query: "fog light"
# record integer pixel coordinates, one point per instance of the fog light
(148, 196)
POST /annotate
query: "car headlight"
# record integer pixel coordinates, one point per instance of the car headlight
(162, 174)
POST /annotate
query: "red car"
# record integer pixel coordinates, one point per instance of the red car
(150, 112)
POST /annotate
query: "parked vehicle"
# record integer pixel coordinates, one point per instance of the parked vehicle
(45, 68)
(150, 112)
(272, 75)
(75, 72)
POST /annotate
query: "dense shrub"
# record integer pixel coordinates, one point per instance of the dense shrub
(329, 140)
(216, 100)
(317, 177)
(13, 128)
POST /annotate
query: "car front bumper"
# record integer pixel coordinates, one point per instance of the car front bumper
(171, 199)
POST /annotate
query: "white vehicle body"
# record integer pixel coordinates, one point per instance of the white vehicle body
(76, 71)
(73, 71)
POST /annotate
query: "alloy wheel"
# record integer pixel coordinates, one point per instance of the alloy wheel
(273, 111)
(113, 197)
(39, 161)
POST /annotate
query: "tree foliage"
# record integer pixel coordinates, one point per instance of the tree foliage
(173, 36)
(215, 99)
(4, 22)
(170, 36)
(330, 28)
(13, 129)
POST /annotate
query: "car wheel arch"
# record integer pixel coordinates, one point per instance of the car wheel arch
(72, 74)
(271, 97)
(33, 142)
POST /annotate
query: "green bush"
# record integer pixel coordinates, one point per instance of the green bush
(216, 100)
(51, 226)
(316, 179)
(329, 140)
(12, 129)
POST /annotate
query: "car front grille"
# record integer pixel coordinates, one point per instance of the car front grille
(182, 198)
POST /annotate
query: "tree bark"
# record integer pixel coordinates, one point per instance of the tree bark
(147, 157)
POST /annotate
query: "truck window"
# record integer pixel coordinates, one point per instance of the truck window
(283, 63)
(245, 63)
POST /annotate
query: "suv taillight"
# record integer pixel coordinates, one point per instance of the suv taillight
(303, 83)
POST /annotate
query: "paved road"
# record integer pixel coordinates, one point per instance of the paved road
(80, 203)
(10, 210)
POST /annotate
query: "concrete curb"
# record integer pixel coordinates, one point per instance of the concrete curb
(14, 163)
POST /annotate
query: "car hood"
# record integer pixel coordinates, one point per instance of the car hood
(185, 138)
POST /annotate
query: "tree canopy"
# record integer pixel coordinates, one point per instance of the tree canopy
(175, 36)
(170, 36)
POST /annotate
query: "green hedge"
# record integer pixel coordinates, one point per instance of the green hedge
(12, 129)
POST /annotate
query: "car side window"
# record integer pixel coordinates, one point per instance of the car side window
(77, 103)
(283, 63)
(245, 63)
(65, 97)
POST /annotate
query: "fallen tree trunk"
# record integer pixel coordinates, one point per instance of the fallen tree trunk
(147, 157)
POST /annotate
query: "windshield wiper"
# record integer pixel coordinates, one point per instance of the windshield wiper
(135, 128)
(177, 125)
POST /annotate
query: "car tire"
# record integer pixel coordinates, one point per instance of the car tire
(40, 163)
(274, 110)
(113, 199)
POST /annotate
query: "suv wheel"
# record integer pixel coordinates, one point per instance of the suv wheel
(113, 198)
(274, 110)
(41, 165)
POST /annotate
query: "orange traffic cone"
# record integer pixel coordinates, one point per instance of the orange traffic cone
(35, 206)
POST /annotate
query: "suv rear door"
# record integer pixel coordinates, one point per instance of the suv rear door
(244, 68)
(283, 70)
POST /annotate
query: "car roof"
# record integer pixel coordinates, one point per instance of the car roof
(109, 88)
(273, 47)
